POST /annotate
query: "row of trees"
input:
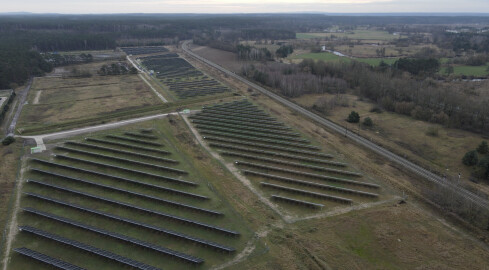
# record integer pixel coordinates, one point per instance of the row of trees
(62, 60)
(291, 81)
(116, 69)
(457, 105)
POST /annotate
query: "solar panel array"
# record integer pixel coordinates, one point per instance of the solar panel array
(113, 175)
(182, 78)
(144, 50)
(47, 259)
(278, 158)
(87, 248)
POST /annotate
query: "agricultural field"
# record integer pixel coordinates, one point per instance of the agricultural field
(477, 71)
(361, 34)
(181, 78)
(61, 99)
(132, 197)
(283, 165)
(330, 57)
(407, 136)
(370, 50)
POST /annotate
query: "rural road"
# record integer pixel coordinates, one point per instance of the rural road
(22, 98)
(63, 134)
(146, 81)
(481, 202)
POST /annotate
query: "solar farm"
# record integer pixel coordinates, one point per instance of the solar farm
(181, 78)
(144, 50)
(125, 199)
(286, 167)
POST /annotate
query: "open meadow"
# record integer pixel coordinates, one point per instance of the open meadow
(60, 99)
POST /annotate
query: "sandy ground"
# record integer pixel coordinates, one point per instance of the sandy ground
(38, 96)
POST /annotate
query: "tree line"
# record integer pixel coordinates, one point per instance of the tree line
(457, 105)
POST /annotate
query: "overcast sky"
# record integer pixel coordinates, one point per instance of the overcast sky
(242, 6)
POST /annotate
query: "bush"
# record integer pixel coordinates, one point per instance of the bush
(471, 158)
(368, 122)
(376, 109)
(8, 140)
(483, 148)
(432, 131)
(354, 117)
(482, 170)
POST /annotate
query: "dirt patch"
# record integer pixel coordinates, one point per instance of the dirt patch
(38, 96)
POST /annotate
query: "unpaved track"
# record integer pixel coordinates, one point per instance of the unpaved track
(163, 99)
(430, 176)
(64, 134)
(22, 100)
(232, 169)
(38, 96)
(12, 226)
(286, 218)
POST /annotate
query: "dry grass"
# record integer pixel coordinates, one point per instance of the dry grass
(386, 237)
(65, 99)
(408, 137)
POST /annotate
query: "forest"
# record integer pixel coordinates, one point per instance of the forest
(394, 89)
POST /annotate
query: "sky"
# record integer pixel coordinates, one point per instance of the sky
(243, 6)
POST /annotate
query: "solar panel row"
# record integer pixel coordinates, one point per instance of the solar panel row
(173, 203)
(135, 207)
(121, 237)
(47, 259)
(87, 248)
(134, 222)
(120, 178)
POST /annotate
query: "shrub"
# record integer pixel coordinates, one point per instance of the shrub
(440, 118)
(432, 131)
(404, 107)
(470, 158)
(376, 109)
(482, 170)
(368, 122)
(354, 117)
(483, 148)
(8, 140)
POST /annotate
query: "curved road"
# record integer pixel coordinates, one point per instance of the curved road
(484, 203)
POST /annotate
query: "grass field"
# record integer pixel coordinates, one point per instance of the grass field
(355, 34)
(330, 57)
(478, 71)
(201, 170)
(54, 100)
(407, 136)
